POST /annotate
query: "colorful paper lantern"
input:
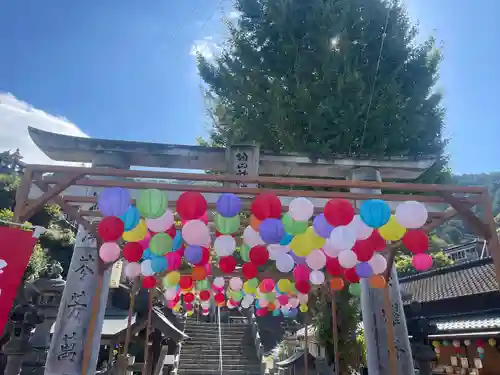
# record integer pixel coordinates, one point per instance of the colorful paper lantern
(266, 206)
(259, 255)
(301, 272)
(284, 285)
(301, 245)
(159, 264)
(411, 214)
(198, 273)
(364, 270)
(227, 225)
(342, 237)
(301, 209)
(351, 276)
(191, 205)
(378, 282)
(161, 223)
(322, 227)
(422, 262)
(113, 201)
(251, 237)
(336, 284)
(378, 263)
(303, 286)
(193, 254)
(317, 277)
(152, 203)
(160, 244)
(130, 218)
(416, 241)
(254, 223)
(271, 231)
(224, 245)
(137, 234)
(204, 295)
(219, 298)
(333, 267)
(235, 283)
(375, 213)
(292, 226)
(110, 228)
(360, 229)
(339, 212)
(284, 263)
(355, 290)
(392, 230)
(196, 232)
(227, 264)
(109, 252)
(364, 250)
(174, 261)
(228, 205)
(132, 270)
(132, 251)
(147, 267)
(186, 282)
(376, 241)
(347, 259)
(149, 282)
(316, 260)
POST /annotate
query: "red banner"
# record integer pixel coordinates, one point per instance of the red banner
(16, 246)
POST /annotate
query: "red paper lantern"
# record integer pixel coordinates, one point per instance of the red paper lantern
(110, 228)
(186, 282)
(259, 255)
(132, 251)
(266, 206)
(262, 312)
(416, 241)
(227, 264)
(191, 205)
(171, 231)
(249, 270)
(205, 256)
(364, 250)
(376, 241)
(188, 297)
(218, 234)
(338, 212)
(219, 298)
(302, 286)
(351, 276)
(198, 273)
(204, 295)
(149, 282)
(333, 267)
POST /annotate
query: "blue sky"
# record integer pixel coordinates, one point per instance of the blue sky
(125, 69)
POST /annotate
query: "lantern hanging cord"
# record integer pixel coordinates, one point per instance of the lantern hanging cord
(372, 91)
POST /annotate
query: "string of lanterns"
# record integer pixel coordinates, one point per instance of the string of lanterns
(457, 345)
(337, 242)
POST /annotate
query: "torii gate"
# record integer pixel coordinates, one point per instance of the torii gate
(75, 190)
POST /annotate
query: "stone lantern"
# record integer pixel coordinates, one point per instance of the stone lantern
(45, 293)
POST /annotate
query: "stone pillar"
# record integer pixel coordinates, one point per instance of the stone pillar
(45, 293)
(71, 331)
(243, 160)
(23, 318)
(372, 307)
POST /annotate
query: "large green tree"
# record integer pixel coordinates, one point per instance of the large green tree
(327, 77)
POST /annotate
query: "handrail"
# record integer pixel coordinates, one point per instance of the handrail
(220, 340)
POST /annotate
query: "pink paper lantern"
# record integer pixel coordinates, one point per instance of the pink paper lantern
(301, 272)
(109, 252)
(174, 261)
(145, 242)
(422, 262)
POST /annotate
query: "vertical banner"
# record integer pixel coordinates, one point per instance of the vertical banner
(16, 246)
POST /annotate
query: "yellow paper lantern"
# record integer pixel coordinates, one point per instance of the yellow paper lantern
(316, 241)
(435, 343)
(171, 279)
(248, 289)
(190, 313)
(303, 308)
(392, 231)
(492, 342)
(301, 245)
(284, 285)
(136, 234)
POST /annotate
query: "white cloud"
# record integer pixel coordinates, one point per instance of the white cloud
(205, 47)
(16, 116)
(233, 15)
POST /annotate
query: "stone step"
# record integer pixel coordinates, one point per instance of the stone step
(232, 368)
(211, 361)
(195, 355)
(217, 372)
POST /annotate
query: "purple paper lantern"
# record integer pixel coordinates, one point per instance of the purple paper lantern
(228, 205)
(322, 227)
(297, 259)
(193, 254)
(114, 201)
(271, 231)
(364, 270)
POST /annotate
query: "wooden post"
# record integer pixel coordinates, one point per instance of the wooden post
(148, 333)
(393, 366)
(22, 194)
(335, 332)
(306, 350)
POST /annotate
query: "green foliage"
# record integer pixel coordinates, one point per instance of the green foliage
(404, 266)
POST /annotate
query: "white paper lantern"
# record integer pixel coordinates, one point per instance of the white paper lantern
(343, 237)
(303, 298)
(224, 245)
(235, 283)
(316, 278)
(360, 229)
(378, 263)
(411, 214)
(248, 299)
(146, 268)
(195, 232)
(347, 259)
(293, 302)
(301, 209)
(285, 310)
(316, 260)
(219, 282)
(275, 250)
(284, 263)
(170, 293)
(330, 249)
(205, 304)
(162, 223)
(251, 237)
(132, 270)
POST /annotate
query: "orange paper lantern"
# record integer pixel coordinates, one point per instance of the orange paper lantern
(255, 223)
(378, 282)
(199, 273)
(336, 284)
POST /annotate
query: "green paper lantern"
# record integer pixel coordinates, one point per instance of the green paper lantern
(355, 289)
(253, 283)
(237, 296)
(152, 203)
(292, 226)
(227, 225)
(160, 244)
(202, 285)
(244, 252)
(269, 296)
(293, 291)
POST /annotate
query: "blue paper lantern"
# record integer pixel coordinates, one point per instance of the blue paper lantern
(322, 227)
(271, 231)
(159, 264)
(177, 242)
(364, 270)
(114, 201)
(287, 238)
(375, 213)
(147, 254)
(193, 254)
(131, 218)
(276, 312)
(228, 205)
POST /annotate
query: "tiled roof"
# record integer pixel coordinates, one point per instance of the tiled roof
(469, 278)
(468, 324)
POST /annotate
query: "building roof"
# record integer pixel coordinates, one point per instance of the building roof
(294, 358)
(471, 324)
(469, 278)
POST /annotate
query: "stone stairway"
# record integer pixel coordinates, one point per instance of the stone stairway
(200, 354)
